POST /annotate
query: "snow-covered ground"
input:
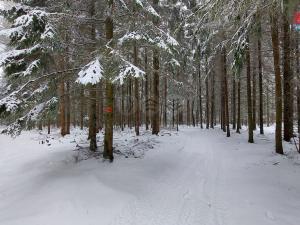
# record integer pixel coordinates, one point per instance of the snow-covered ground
(194, 177)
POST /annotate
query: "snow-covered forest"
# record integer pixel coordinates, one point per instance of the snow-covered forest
(157, 112)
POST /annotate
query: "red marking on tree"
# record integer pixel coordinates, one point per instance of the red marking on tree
(108, 110)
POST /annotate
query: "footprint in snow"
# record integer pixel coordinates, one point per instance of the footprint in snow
(270, 215)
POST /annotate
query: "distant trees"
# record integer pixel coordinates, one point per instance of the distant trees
(149, 63)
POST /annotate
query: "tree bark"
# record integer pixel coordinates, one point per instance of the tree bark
(233, 102)
(249, 100)
(298, 82)
(136, 93)
(147, 119)
(156, 104)
(68, 108)
(101, 104)
(98, 108)
(207, 99)
(193, 116)
(155, 101)
(212, 100)
(287, 76)
(188, 113)
(62, 108)
(278, 92)
(238, 126)
(200, 96)
(81, 107)
(165, 102)
(177, 115)
(254, 96)
(109, 90)
(122, 108)
(49, 126)
(298, 85)
(93, 93)
(130, 104)
(260, 77)
(108, 138)
(268, 104)
(224, 62)
(92, 118)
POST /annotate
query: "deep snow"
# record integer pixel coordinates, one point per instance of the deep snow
(194, 177)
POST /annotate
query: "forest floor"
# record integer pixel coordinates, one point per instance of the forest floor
(193, 177)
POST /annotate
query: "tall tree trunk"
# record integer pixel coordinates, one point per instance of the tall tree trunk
(222, 97)
(93, 93)
(68, 108)
(287, 75)
(177, 115)
(233, 102)
(207, 99)
(74, 111)
(200, 96)
(224, 62)
(109, 90)
(108, 138)
(156, 114)
(49, 126)
(260, 74)
(101, 105)
(166, 102)
(173, 113)
(98, 108)
(81, 107)
(298, 82)
(249, 100)
(92, 118)
(137, 107)
(278, 92)
(156, 104)
(238, 126)
(268, 104)
(62, 108)
(254, 96)
(122, 108)
(188, 113)
(136, 94)
(298, 85)
(147, 119)
(212, 100)
(193, 116)
(130, 104)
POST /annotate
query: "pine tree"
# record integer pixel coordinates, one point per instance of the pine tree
(278, 92)
(287, 75)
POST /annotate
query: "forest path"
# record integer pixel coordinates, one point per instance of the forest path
(186, 192)
(214, 180)
(195, 177)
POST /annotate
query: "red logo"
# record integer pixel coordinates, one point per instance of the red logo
(297, 18)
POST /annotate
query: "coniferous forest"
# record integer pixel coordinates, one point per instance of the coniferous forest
(212, 86)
